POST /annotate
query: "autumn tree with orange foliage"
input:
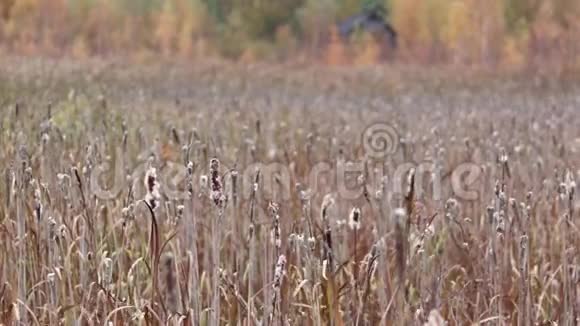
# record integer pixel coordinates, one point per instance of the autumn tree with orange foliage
(460, 32)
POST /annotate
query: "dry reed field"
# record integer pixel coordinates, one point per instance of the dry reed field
(227, 195)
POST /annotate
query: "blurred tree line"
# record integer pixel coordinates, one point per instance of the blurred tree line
(488, 32)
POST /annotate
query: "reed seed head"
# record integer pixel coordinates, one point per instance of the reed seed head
(327, 202)
(354, 220)
(216, 183)
(152, 186)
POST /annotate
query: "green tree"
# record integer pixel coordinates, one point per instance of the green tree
(521, 14)
(261, 18)
(377, 7)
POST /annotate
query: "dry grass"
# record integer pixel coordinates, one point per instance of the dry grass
(246, 246)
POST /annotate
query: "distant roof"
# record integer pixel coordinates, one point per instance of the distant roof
(368, 22)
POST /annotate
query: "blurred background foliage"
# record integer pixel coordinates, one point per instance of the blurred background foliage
(463, 32)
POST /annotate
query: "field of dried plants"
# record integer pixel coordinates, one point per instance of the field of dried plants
(227, 195)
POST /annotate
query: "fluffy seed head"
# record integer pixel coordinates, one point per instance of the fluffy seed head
(180, 209)
(354, 219)
(399, 216)
(327, 202)
(276, 238)
(152, 197)
(107, 271)
(203, 180)
(503, 156)
(216, 183)
(279, 272)
(189, 178)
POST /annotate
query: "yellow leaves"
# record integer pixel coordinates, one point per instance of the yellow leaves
(420, 22)
(23, 8)
(455, 31)
(436, 17)
(458, 22)
(179, 24)
(80, 48)
(513, 52)
(406, 18)
(166, 28)
(471, 30)
(370, 52)
(335, 53)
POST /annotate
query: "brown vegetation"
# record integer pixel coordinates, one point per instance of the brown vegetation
(233, 246)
